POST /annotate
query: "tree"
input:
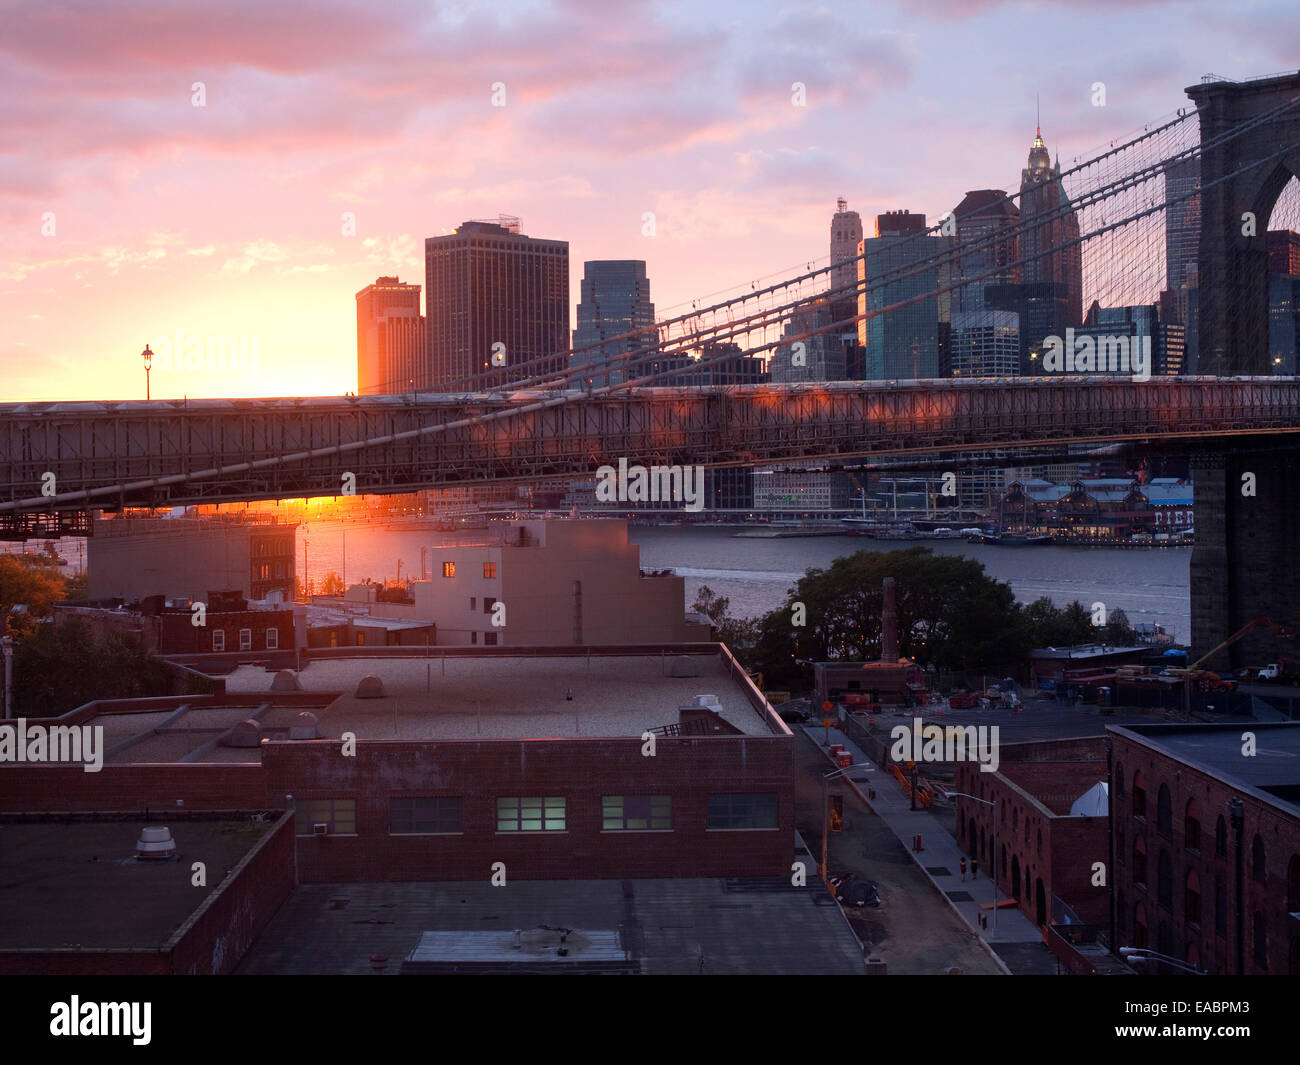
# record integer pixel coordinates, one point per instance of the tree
(951, 615)
(739, 634)
(331, 584)
(59, 667)
(25, 581)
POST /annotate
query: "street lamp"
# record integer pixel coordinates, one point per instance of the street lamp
(7, 650)
(994, 862)
(1140, 954)
(147, 355)
(826, 803)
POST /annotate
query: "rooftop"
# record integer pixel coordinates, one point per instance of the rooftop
(509, 697)
(1087, 650)
(66, 883)
(1273, 771)
(642, 926)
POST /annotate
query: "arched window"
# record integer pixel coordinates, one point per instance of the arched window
(1139, 860)
(1192, 826)
(1165, 880)
(1293, 884)
(1139, 795)
(1221, 838)
(1040, 842)
(1119, 780)
(1258, 860)
(1139, 925)
(1192, 899)
(1164, 812)
(1261, 942)
(1120, 856)
(1220, 908)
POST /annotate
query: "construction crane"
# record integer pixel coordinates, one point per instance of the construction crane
(1282, 632)
(1208, 680)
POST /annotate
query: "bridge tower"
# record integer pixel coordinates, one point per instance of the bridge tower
(1244, 562)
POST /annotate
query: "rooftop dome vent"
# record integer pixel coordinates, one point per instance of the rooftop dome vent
(305, 726)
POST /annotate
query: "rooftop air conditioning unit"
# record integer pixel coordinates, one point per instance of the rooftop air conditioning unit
(320, 830)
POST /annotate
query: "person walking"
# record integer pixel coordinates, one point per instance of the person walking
(974, 868)
(963, 868)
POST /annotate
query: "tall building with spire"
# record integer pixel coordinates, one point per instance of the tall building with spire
(1048, 223)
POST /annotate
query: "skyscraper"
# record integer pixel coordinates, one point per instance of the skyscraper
(901, 262)
(497, 304)
(392, 352)
(846, 240)
(1048, 222)
(615, 301)
(846, 235)
(988, 246)
(1182, 245)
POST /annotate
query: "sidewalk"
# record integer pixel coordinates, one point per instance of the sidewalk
(940, 859)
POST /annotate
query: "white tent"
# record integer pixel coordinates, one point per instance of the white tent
(1092, 803)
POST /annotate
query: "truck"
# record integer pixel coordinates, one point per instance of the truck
(1285, 669)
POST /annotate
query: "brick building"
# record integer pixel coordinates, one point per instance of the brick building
(228, 624)
(1207, 844)
(1045, 852)
(536, 760)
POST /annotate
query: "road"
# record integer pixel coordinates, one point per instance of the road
(913, 930)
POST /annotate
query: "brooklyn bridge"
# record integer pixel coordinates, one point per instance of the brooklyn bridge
(567, 415)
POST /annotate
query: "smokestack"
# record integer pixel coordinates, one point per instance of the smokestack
(889, 625)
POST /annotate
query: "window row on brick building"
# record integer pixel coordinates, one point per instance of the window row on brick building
(441, 814)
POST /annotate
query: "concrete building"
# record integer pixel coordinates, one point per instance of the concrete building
(815, 493)
(487, 284)
(1206, 845)
(615, 301)
(544, 583)
(392, 341)
(807, 355)
(182, 558)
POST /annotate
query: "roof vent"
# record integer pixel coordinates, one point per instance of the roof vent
(304, 726)
(155, 844)
(684, 666)
(248, 733)
(286, 681)
(370, 687)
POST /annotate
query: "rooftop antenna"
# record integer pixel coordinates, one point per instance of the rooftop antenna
(1038, 115)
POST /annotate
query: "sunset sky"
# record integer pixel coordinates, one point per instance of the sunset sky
(226, 219)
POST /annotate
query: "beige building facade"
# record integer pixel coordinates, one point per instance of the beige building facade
(548, 583)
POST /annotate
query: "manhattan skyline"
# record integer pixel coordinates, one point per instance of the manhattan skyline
(230, 219)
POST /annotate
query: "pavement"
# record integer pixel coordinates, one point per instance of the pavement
(1012, 940)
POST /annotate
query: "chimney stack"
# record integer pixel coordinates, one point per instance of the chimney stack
(889, 625)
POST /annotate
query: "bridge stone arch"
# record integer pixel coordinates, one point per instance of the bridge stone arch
(1246, 501)
(1233, 266)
